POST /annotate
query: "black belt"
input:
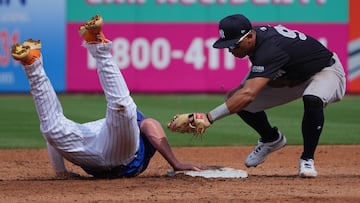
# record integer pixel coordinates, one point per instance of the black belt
(331, 62)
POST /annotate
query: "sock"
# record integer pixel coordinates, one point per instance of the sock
(259, 122)
(312, 125)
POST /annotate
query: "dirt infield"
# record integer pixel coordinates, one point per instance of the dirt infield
(26, 176)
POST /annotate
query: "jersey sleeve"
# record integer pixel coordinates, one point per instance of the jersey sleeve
(56, 159)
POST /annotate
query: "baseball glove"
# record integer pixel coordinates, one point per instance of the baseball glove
(195, 123)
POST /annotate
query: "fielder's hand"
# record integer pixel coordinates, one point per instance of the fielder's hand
(181, 123)
(195, 123)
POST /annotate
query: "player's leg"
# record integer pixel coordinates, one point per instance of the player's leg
(260, 123)
(62, 133)
(46, 102)
(255, 116)
(271, 139)
(312, 125)
(271, 97)
(325, 87)
(120, 139)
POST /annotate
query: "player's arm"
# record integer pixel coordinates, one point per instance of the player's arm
(245, 95)
(57, 161)
(154, 132)
(197, 123)
(239, 99)
(58, 165)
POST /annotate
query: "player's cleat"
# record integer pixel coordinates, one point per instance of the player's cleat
(91, 31)
(33, 44)
(262, 150)
(307, 168)
(27, 52)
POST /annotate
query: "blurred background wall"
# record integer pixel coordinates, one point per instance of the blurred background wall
(37, 19)
(354, 48)
(163, 46)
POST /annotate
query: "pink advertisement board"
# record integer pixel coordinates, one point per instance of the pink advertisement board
(175, 57)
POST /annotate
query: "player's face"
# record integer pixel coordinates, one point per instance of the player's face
(243, 48)
(240, 50)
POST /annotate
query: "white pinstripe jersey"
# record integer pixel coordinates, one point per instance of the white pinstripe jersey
(104, 143)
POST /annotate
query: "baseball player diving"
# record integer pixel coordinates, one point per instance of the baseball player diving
(286, 65)
(119, 145)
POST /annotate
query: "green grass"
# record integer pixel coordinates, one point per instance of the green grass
(19, 125)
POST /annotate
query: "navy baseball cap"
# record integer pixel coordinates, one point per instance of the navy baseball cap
(231, 29)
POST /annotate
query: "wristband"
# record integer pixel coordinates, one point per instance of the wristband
(210, 120)
(219, 112)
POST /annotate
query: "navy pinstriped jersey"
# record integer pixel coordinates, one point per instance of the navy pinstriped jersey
(281, 53)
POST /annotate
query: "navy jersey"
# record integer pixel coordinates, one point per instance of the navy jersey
(281, 53)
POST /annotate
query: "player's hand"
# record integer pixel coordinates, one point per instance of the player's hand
(200, 122)
(181, 123)
(181, 166)
(195, 123)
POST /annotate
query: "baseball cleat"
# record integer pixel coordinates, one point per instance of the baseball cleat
(262, 150)
(91, 30)
(33, 44)
(27, 52)
(307, 168)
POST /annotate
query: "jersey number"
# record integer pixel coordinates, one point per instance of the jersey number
(289, 33)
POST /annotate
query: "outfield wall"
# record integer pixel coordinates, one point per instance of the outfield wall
(166, 46)
(37, 19)
(160, 45)
(354, 48)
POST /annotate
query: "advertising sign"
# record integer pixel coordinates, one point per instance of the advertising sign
(175, 60)
(39, 20)
(354, 48)
(166, 45)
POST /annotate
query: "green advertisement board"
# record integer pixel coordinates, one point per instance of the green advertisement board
(209, 10)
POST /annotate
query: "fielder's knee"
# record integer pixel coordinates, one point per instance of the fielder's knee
(311, 101)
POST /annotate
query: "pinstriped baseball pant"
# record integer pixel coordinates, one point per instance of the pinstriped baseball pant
(103, 143)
